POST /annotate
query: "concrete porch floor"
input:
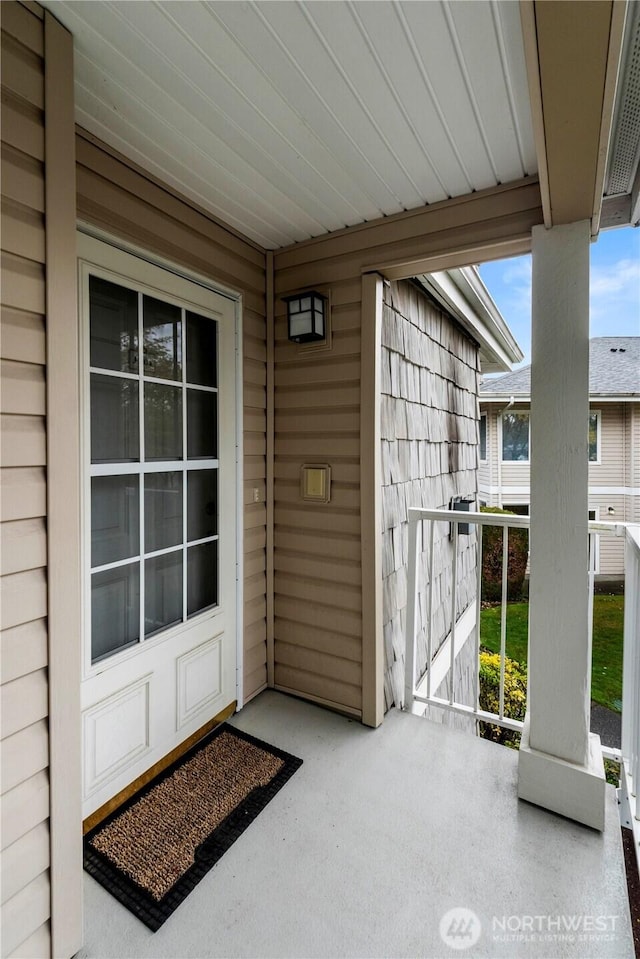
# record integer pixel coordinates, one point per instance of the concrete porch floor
(372, 841)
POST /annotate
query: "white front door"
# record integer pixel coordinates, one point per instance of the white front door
(159, 371)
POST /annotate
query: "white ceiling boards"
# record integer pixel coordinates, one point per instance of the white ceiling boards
(288, 120)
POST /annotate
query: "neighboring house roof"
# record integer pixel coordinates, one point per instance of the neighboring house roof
(614, 371)
(463, 294)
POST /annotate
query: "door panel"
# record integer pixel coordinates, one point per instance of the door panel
(159, 451)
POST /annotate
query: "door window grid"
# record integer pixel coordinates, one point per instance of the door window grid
(143, 468)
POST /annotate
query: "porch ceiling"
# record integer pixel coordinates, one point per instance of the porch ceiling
(291, 120)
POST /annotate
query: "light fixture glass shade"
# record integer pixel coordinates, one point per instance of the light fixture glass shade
(306, 316)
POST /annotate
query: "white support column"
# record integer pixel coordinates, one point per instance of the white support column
(560, 765)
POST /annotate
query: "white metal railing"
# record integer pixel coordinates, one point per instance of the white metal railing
(629, 793)
(440, 662)
(425, 691)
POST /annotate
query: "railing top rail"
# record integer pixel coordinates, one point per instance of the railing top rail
(513, 519)
(456, 516)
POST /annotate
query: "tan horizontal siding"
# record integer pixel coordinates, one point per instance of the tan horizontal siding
(317, 581)
(24, 702)
(23, 597)
(327, 545)
(22, 283)
(24, 860)
(331, 691)
(321, 640)
(634, 505)
(23, 535)
(24, 807)
(18, 61)
(611, 470)
(22, 230)
(329, 666)
(22, 492)
(36, 946)
(24, 441)
(434, 229)
(321, 569)
(116, 196)
(21, 125)
(24, 914)
(23, 179)
(23, 649)
(255, 683)
(23, 336)
(23, 546)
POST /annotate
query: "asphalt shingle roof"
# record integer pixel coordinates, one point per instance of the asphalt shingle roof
(614, 367)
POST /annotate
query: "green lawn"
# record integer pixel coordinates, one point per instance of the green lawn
(606, 679)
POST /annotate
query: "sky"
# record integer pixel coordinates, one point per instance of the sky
(614, 288)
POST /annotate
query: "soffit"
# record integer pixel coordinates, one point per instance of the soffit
(290, 120)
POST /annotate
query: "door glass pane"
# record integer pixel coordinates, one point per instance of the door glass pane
(162, 339)
(162, 510)
(202, 425)
(162, 422)
(162, 592)
(114, 326)
(202, 503)
(202, 577)
(115, 610)
(114, 420)
(202, 361)
(115, 518)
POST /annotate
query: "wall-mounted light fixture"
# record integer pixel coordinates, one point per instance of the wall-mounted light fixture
(306, 314)
(463, 506)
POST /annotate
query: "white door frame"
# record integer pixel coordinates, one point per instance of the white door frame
(236, 298)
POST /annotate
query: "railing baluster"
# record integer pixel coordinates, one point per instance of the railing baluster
(476, 671)
(454, 600)
(631, 663)
(432, 535)
(415, 523)
(503, 613)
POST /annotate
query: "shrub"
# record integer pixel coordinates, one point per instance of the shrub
(612, 772)
(515, 696)
(492, 559)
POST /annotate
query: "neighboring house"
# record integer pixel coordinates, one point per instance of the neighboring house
(171, 174)
(613, 441)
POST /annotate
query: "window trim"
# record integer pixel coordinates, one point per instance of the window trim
(519, 412)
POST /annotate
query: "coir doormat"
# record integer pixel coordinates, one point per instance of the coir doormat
(152, 851)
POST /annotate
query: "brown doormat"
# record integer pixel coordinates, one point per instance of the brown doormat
(152, 851)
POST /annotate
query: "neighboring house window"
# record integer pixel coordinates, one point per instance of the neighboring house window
(594, 437)
(520, 509)
(515, 437)
(154, 466)
(483, 437)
